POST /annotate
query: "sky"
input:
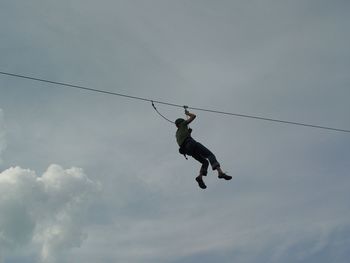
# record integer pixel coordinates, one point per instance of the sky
(87, 177)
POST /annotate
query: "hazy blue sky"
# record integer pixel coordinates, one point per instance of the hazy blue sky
(93, 178)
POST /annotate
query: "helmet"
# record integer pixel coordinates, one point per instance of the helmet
(178, 121)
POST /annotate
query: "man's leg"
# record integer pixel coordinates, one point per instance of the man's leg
(206, 153)
(203, 161)
(203, 171)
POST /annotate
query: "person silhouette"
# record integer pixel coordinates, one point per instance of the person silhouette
(189, 146)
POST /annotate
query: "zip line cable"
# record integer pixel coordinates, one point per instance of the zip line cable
(88, 89)
(172, 104)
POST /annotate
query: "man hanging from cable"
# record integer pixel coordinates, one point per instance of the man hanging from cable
(188, 146)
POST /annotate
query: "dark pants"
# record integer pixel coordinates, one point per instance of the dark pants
(201, 154)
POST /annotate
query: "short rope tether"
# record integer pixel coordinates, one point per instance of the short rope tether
(165, 118)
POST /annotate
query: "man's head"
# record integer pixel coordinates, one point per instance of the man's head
(178, 122)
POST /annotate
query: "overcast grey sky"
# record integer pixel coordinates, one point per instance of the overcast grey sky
(94, 178)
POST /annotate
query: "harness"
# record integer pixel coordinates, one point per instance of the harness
(182, 149)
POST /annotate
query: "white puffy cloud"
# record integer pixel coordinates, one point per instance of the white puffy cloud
(44, 211)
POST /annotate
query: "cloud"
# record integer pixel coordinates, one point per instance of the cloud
(44, 211)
